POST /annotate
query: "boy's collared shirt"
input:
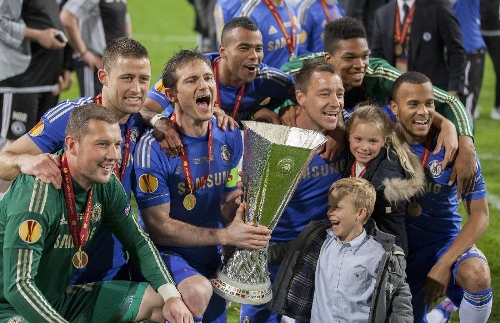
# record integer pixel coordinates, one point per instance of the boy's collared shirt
(345, 278)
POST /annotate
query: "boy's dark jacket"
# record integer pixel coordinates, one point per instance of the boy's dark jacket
(293, 287)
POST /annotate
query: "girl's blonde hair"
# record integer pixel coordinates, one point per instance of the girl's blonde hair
(393, 142)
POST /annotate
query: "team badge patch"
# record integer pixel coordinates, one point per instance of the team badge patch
(96, 212)
(435, 169)
(134, 134)
(225, 153)
(303, 36)
(37, 129)
(30, 231)
(159, 86)
(148, 183)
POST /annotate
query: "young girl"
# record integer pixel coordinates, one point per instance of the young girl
(378, 154)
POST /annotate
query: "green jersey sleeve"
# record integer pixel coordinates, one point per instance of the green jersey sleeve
(25, 226)
(119, 218)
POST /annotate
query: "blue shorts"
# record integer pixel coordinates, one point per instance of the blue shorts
(420, 262)
(180, 270)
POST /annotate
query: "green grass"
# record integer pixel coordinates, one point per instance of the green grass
(166, 26)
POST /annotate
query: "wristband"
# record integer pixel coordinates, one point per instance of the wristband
(167, 291)
(156, 118)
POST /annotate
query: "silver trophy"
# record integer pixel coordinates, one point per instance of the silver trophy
(274, 158)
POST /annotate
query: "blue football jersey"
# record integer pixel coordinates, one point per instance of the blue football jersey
(310, 200)
(224, 11)
(49, 133)
(312, 18)
(105, 249)
(439, 218)
(276, 52)
(269, 84)
(161, 180)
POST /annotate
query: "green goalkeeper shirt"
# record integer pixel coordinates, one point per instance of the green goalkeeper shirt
(37, 247)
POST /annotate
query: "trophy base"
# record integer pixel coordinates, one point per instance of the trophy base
(252, 294)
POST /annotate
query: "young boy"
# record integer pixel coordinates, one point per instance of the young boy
(343, 269)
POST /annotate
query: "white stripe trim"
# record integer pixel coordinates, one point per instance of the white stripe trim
(30, 89)
(30, 292)
(156, 255)
(249, 7)
(6, 114)
(38, 196)
(88, 81)
(144, 150)
(303, 10)
(65, 107)
(272, 75)
(490, 33)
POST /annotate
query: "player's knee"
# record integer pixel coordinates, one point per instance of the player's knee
(474, 275)
(196, 292)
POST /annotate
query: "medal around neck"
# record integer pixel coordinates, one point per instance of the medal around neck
(398, 49)
(274, 158)
(189, 201)
(80, 259)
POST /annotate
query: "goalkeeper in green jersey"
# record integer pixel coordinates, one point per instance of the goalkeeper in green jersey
(44, 234)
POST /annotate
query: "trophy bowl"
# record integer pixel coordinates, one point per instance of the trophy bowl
(274, 158)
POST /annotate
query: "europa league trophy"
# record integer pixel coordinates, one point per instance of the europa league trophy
(273, 159)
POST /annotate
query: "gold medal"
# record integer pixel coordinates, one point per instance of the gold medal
(189, 201)
(414, 209)
(80, 259)
(398, 49)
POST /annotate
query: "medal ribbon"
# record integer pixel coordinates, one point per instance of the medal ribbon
(327, 12)
(290, 41)
(239, 97)
(120, 171)
(78, 235)
(185, 159)
(427, 149)
(400, 35)
(353, 170)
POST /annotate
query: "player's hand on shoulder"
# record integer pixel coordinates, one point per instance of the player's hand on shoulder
(448, 139)
(46, 167)
(331, 148)
(224, 120)
(289, 114)
(268, 116)
(167, 135)
(464, 170)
